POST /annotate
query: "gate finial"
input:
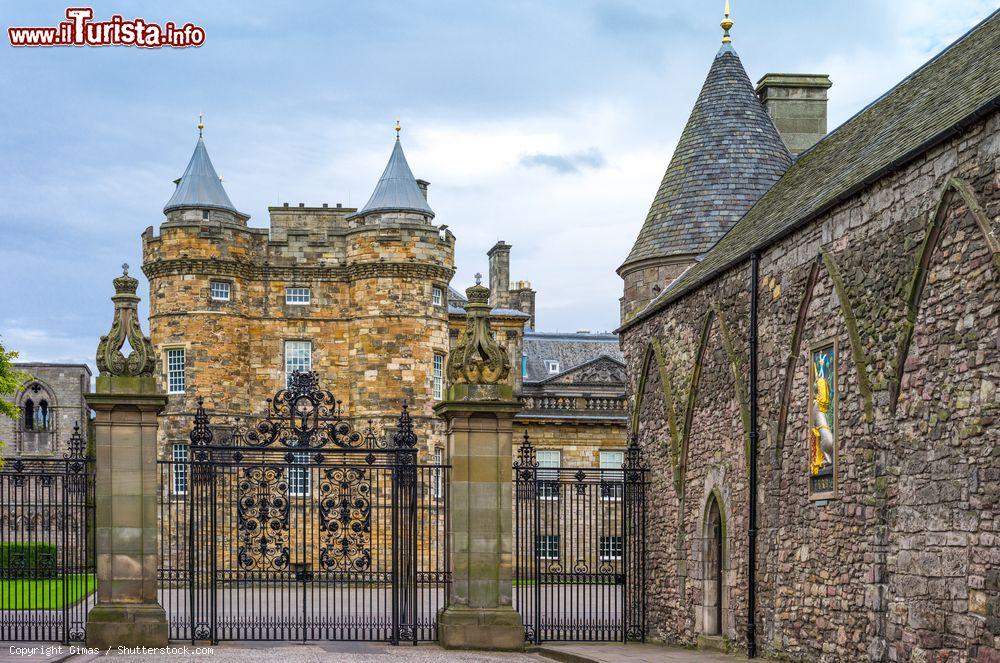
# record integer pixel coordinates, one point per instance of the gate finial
(477, 358)
(110, 360)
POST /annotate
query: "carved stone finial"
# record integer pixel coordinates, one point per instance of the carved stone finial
(479, 278)
(110, 360)
(477, 358)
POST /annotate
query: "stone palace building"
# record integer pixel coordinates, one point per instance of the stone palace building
(810, 325)
(362, 297)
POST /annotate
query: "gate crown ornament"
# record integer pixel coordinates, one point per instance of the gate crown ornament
(110, 360)
(477, 358)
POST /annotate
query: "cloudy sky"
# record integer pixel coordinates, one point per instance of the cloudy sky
(546, 124)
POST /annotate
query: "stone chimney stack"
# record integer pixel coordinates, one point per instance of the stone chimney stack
(797, 105)
(500, 275)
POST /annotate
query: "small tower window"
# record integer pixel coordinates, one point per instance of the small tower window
(204, 214)
(220, 291)
(297, 296)
(437, 296)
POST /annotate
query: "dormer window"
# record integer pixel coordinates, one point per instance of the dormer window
(552, 366)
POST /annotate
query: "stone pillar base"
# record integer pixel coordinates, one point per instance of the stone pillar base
(480, 628)
(126, 625)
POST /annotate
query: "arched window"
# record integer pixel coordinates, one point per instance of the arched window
(29, 415)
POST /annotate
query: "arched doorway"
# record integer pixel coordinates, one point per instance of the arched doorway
(714, 556)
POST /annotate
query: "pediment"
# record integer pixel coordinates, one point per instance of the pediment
(603, 370)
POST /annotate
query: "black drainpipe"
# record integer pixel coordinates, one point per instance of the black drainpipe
(752, 530)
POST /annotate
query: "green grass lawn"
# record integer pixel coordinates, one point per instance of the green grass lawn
(44, 594)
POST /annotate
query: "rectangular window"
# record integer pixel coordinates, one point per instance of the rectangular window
(298, 477)
(547, 546)
(548, 479)
(179, 456)
(437, 296)
(298, 357)
(524, 366)
(612, 482)
(438, 376)
(552, 366)
(437, 476)
(220, 291)
(175, 371)
(610, 548)
(297, 296)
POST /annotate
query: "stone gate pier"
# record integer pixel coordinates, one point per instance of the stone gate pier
(127, 402)
(479, 410)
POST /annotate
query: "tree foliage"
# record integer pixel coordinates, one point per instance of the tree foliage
(10, 381)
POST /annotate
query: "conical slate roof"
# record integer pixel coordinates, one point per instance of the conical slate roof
(728, 156)
(200, 186)
(397, 189)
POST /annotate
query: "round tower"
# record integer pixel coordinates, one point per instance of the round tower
(728, 156)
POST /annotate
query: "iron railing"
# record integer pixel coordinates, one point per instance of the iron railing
(47, 570)
(579, 549)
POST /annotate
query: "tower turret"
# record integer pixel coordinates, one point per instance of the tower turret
(397, 194)
(728, 156)
(199, 192)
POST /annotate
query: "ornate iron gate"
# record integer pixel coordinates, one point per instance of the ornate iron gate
(579, 549)
(47, 574)
(302, 528)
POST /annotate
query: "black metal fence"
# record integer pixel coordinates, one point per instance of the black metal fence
(579, 549)
(47, 570)
(302, 529)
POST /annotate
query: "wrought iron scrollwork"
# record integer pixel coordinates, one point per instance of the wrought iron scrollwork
(345, 519)
(262, 513)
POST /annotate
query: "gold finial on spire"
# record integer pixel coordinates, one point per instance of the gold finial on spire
(398, 128)
(727, 25)
(201, 125)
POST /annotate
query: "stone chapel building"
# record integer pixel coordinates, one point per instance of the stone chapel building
(812, 335)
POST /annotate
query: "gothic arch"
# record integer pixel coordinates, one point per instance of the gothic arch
(938, 220)
(680, 431)
(715, 552)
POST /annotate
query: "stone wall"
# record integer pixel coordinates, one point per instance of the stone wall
(900, 564)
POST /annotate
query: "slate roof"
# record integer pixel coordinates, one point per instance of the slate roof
(728, 155)
(570, 350)
(397, 189)
(957, 87)
(200, 186)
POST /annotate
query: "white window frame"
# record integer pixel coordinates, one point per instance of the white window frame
(548, 479)
(612, 482)
(438, 376)
(552, 366)
(297, 361)
(437, 295)
(437, 474)
(607, 546)
(544, 546)
(299, 478)
(298, 295)
(176, 378)
(179, 456)
(224, 292)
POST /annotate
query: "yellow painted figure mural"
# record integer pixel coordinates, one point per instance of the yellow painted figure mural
(823, 416)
